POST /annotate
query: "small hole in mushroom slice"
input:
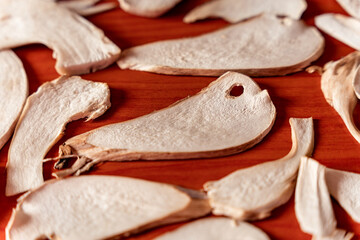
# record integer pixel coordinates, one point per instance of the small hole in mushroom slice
(236, 91)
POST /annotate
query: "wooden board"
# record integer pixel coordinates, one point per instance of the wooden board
(137, 93)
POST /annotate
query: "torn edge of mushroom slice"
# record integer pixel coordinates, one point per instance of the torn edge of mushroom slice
(101, 207)
(351, 6)
(218, 121)
(42, 123)
(87, 7)
(13, 91)
(313, 206)
(252, 193)
(146, 8)
(78, 46)
(237, 10)
(337, 85)
(215, 228)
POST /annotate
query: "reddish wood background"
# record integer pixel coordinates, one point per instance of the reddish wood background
(137, 93)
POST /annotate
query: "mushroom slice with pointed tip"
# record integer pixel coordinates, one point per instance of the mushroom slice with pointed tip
(215, 229)
(263, 46)
(146, 8)
(351, 6)
(101, 207)
(217, 121)
(237, 10)
(78, 45)
(252, 193)
(42, 122)
(13, 92)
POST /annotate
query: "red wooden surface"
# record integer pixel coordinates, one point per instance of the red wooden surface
(137, 93)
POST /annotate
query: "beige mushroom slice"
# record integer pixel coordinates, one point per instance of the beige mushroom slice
(215, 229)
(252, 193)
(351, 6)
(101, 207)
(42, 123)
(237, 10)
(13, 92)
(356, 83)
(215, 122)
(146, 8)
(337, 87)
(79, 47)
(87, 7)
(313, 207)
(263, 46)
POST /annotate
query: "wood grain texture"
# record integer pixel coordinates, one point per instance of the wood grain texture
(137, 93)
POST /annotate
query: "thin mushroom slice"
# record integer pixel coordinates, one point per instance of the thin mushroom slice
(146, 8)
(263, 46)
(237, 10)
(87, 7)
(79, 47)
(356, 83)
(313, 207)
(13, 92)
(101, 207)
(337, 87)
(252, 193)
(217, 121)
(42, 123)
(215, 229)
(351, 6)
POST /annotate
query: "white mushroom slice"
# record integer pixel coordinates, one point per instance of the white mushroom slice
(313, 207)
(263, 46)
(237, 10)
(146, 8)
(351, 6)
(215, 229)
(252, 193)
(13, 92)
(337, 87)
(78, 45)
(345, 29)
(214, 122)
(42, 123)
(101, 207)
(87, 7)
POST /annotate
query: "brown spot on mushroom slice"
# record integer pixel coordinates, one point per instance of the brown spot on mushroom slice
(146, 8)
(42, 123)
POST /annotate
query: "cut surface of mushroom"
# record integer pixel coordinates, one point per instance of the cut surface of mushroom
(237, 10)
(13, 92)
(211, 123)
(42, 123)
(79, 47)
(337, 85)
(351, 6)
(251, 47)
(252, 193)
(101, 207)
(215, 229)
(146, 8)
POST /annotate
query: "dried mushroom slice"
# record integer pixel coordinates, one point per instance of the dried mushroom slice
(79, 47)
(101, 207)
(252, 193)
(42, 123)
(237, 10)
(146, 8)
(217, 121)
(13, 92)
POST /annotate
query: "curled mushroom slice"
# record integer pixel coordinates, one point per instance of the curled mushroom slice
(13, 92)
(101, 207)
(237, 10)
(250, 47)
(217, 121)
(79, 47)
(215, 229)
(42, 122)
(337, 87)
(252, 193)
(351, 6)
(87, 7)
(146, 8)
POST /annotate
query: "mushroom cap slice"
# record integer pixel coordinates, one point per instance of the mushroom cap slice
(351, 6)
(237, 10)
(252, 193)
(146, 8)
(101, 207)
(42, 123)
(211, 123)
(13, 92)
(79, 47)
(215, 229)
(263, 46)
